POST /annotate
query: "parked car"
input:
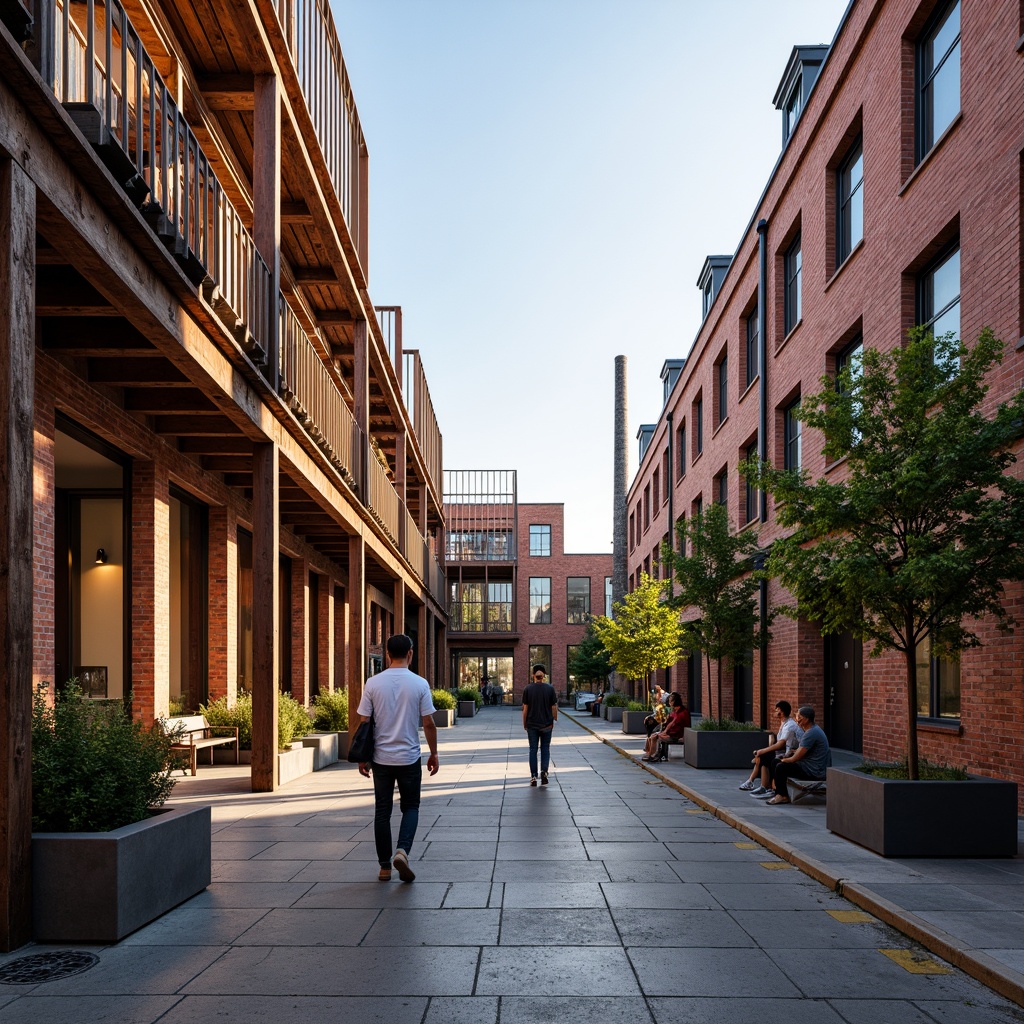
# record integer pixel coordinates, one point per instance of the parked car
(584, 700)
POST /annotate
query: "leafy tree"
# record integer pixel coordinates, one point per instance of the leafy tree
(719, 581)
(645, 633)
(926, 525)
(590, 662)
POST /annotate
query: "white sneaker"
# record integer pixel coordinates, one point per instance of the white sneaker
(764, 794)
(401, 863)
(748, 785)
(758, 790)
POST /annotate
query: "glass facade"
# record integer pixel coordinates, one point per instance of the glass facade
(479, 546)
(577, 599)
(540, 540)
(540, 599)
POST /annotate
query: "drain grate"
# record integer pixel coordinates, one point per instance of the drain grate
(40, 967)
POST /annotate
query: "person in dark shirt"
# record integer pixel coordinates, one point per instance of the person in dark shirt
(540, 712)
(809, 761)
(671, 731)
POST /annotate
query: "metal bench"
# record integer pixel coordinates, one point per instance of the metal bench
(194, 733)
(806, 787)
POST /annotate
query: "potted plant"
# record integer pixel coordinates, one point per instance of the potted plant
(633, 716)
(330, 716)
(613, 706)
(722, 743)
(908, 550)
(469, 699)
(101, 866)
(444, 703)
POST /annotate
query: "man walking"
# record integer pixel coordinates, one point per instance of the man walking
(398, 700)
(540, 711)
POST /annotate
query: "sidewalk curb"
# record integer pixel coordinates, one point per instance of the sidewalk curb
(990, 972)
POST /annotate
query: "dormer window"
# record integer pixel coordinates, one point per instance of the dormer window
(792, 109)
(670, 371)
(644, 436)
(711, 276)
(797, 82)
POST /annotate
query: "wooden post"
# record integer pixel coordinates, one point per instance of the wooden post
(298, 619)
(423, 644)
(361, 402)
(356, 594)
(266, 194)
(266, 645)
(326, 637)
(399, 616)
(17, 384)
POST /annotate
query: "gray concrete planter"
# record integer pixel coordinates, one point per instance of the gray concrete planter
(633, 722)
(102, 886)
(223, 756)
(727, 748)
(612, 714)
(444, 718)
(293, 764)
(895, 818)
(325, 748)
(467, 708)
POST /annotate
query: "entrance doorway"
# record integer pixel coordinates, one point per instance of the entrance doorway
(845, 696)
(694, 679)
(478, 670)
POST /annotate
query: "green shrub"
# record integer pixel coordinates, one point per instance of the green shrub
(93, 768)
(470, 693)
(615, 700)
(635, 705)
(726, 725)
(926, 770)
(330, 711)
(443, 700)
(179, 705)
(239, 715)
(293, 720)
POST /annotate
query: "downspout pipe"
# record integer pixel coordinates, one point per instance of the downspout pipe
(762, 439)
(671, 516)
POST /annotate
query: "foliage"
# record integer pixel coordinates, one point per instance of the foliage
(725, 725)
(470, 693)
(718, 581)
(635, 705)
(590, 662)
(644, 633)
(926, 770)
(93, 768)
(238, 715)
(293, 720)
(330, 711)
(616, 700)
(443, 700)
(179, 705)
(920, 535)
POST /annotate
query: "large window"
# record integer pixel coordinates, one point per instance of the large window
(792, 437)
(723, 389)
(848, 369)
(577, 599)
(850, 202)
(722, 489)
(753, 339)
(749, 491)
(499, 607)
(608, 596)
(540, 599)
(938, 685)
(939, 295)
(479, 545)
(478, 607)
(793, 263)
(938, 77)
(698, 412)
(681, 445)
(540, 654)
(540, 540)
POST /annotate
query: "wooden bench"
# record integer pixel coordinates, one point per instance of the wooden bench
(806, 787)
(194, 733)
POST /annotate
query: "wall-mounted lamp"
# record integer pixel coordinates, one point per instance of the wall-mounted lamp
(101, 556)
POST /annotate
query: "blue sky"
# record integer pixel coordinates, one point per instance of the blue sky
(546, 179)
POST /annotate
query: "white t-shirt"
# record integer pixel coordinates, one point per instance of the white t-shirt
(791, 732)
(397, 699)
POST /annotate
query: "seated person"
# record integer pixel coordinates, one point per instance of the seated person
(658, 714)
(787, 740)
(808, 761)
(671, 731)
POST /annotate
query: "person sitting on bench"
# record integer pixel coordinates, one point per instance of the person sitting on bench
(759, 783)
(670, 732)
(808, 761)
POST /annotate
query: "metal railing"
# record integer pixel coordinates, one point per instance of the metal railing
(416, 396)
(381, 497)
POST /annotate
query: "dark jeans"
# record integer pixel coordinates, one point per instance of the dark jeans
(790, 770)
(384, 778)
(542, 736)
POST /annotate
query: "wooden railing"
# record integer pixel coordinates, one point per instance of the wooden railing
(414, 547)
(417, 399)
(381, 497)
(308, 27)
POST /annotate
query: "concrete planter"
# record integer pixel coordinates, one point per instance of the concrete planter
(293, 764)
(101, 886)
(224, 756)
(444, 718)
(896, 818)
(467, 708)
(712, 748)
(633, 722)
(325, 748)
(612, 714)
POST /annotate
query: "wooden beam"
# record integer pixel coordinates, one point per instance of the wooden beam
(227, 92)
(17, 394)
(315, 276)
(228, 463)
(296, 213)
(152, 401)
(333, 317)
(195, 426)
(93, 336)
(236, 445)
(137, 372)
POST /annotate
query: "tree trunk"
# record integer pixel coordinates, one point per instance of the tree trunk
(911, 654)
(720, 689)
(710, 707)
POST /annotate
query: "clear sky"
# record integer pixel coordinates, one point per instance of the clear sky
(546, 180)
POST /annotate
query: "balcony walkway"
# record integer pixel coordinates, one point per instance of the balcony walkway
(608, 897)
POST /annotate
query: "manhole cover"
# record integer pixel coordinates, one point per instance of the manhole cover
(40, 967)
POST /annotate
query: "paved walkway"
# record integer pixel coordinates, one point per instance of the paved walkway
(607, 897)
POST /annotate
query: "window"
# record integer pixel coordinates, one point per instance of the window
(540, 541)
(722, 489)
(850, 202)
(723, 389)
(753, 338)
(791, 270)
(540, 599)
(938, 77)
(570, 653)
(647, 506)
(608, 596)
(938, 297)
(655, 563)
(681, 534)
(540, 654)
(792, 434)
(577, 600)
(698, 412)
(938, 684)
(750, 492)
(632, 526)
(848, 368)
(467, 607)
(792, 109)
(666, 475)
(681, 444)
(707, 298)
(499, 607)
(656, 488)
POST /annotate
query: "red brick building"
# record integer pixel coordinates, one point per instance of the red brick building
(897, 199)
(517, 598)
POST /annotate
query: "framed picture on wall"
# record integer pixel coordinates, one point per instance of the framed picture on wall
(93, 680)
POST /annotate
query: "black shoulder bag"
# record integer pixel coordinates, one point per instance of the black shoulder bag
(360, 748)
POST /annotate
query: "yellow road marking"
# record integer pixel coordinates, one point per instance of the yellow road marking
(696, 810)
(850, 916)
(745, 846)
(775, 865)
(915, 963)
